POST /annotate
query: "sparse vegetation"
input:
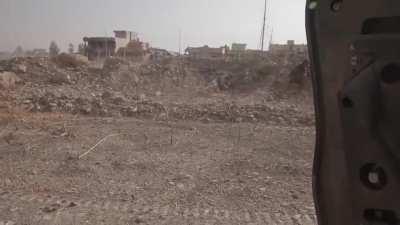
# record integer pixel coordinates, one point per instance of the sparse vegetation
(53, 49)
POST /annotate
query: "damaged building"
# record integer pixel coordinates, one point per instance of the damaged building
(135, 49)
(129, 45)
(123, 37)
(99, 47)
(290, 46)
(157, 54)
(238, 51)
(252, 54)
(125, 44)
(289, 53)
(206, 52)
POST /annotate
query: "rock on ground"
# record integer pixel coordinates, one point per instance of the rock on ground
(8, 80)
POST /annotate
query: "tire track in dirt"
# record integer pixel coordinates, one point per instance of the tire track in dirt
(90, 208)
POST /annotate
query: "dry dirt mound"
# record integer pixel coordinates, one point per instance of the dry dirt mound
(36, 70)
(121, 88)
(111, 103)
(70, 60)
(277, 74)
(8, 80)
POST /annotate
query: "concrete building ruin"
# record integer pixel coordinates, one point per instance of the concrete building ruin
(289, 53)
(206, 52)
(290, 46)
(124, 44)
(135, 49)
(255, 53)
(238, 51)
(129, 45)
(157, 54)
(284, 51)
(238, 47)
(123, 37)
(99, 47)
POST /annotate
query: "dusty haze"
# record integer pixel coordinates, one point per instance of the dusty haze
(33, 24)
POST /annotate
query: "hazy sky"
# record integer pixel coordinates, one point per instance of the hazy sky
(34, 23)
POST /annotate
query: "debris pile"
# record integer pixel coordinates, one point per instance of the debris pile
(114, 63)
(70, 60)
(117, 104)
(276, 71)
(67, 84)
(45, 71)
(8, 80)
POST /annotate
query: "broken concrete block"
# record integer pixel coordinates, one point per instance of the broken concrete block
(20, 68)
(9, 80)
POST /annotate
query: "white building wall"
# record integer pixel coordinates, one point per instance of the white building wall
(122, 42)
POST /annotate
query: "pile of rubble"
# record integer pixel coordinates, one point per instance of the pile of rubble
(8, 80)
(158, 111)
(111, 103)
(280, 72)
(45, 71)
(230, 112)
(66, 84)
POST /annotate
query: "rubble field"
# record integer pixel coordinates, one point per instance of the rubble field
(176, 141)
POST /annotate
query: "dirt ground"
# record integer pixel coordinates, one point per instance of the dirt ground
(243, 167)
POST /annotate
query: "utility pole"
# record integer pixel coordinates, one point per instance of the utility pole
(271, 38)
(263, 27)
(180, 41)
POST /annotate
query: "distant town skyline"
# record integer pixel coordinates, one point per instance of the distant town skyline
(34, 24)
